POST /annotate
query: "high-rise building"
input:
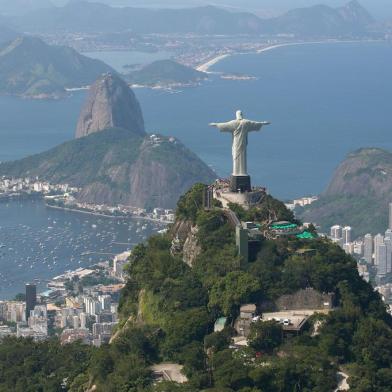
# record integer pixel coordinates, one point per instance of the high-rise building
(358, 248)
(336, 232)
(105, 301)
(382, 260)
(75, 322)
(347, 234)
(31, 299)
(349, 248)
(390, 216)
(388, 233)
(83, 320)
(388, 243)
(92, 305)
(378, 240)
(368, 248)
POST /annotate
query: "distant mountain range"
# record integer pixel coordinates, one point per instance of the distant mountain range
(358, 194)
(81, 16)
(20, 7)
(322, 20)
(30, 67)
(165, 73)
(115, 165)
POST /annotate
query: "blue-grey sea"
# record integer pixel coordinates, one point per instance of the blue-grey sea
(324, 100)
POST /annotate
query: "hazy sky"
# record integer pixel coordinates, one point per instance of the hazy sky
(379, 8)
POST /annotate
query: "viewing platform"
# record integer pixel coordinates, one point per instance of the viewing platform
(222, 191)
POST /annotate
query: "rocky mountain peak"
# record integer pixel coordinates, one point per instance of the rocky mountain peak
(358, 194)
(110, 104)
(354, 13)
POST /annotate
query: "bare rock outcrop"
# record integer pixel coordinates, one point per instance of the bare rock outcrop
(185, 241)
(110, 104)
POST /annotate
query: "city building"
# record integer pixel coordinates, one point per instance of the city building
(83, 320)
(336, 232)
(358, 248)
(368, 248)
(381, 260)
(105, 301)
(347, 234)
(73, 335)
(38, 320)
(5, 331)
(378, 240)
(388, 243)
(31, 298)
(119, 262)
(92, 306)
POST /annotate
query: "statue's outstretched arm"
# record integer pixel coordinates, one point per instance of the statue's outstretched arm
(256, 126)
(225, 127)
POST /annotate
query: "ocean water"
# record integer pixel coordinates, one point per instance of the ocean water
(38, 243)
(118, 60)
(323, 100)
(31, 126)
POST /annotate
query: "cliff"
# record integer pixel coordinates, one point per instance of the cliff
(358, 194)
(110, 104)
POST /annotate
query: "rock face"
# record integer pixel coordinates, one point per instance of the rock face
(355, 15)
(358, 194)
(112, 160)
(187, 244)
(110, 104)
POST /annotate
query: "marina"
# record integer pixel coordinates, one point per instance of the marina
(37, 243)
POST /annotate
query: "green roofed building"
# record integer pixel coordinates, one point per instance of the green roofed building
(306, 235)
(279, 229)
(284, 226)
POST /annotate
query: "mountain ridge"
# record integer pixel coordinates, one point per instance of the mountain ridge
(121, 165)
(116, 166)
(32, 68)
(318, 20)
(358, 193)
(165, 73)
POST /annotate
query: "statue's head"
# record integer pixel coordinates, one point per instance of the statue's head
(239, 115)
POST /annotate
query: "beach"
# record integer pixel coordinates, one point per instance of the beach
(205, 67)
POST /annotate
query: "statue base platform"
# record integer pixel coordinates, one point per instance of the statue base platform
(240, 184)
(221, 191)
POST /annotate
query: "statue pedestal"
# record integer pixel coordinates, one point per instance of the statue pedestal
(240, 184)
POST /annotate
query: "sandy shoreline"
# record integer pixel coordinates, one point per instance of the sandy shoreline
(208, 64)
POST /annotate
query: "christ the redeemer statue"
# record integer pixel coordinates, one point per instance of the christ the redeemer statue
(240, 128)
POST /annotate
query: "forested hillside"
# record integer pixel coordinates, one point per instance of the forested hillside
(168, 310)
